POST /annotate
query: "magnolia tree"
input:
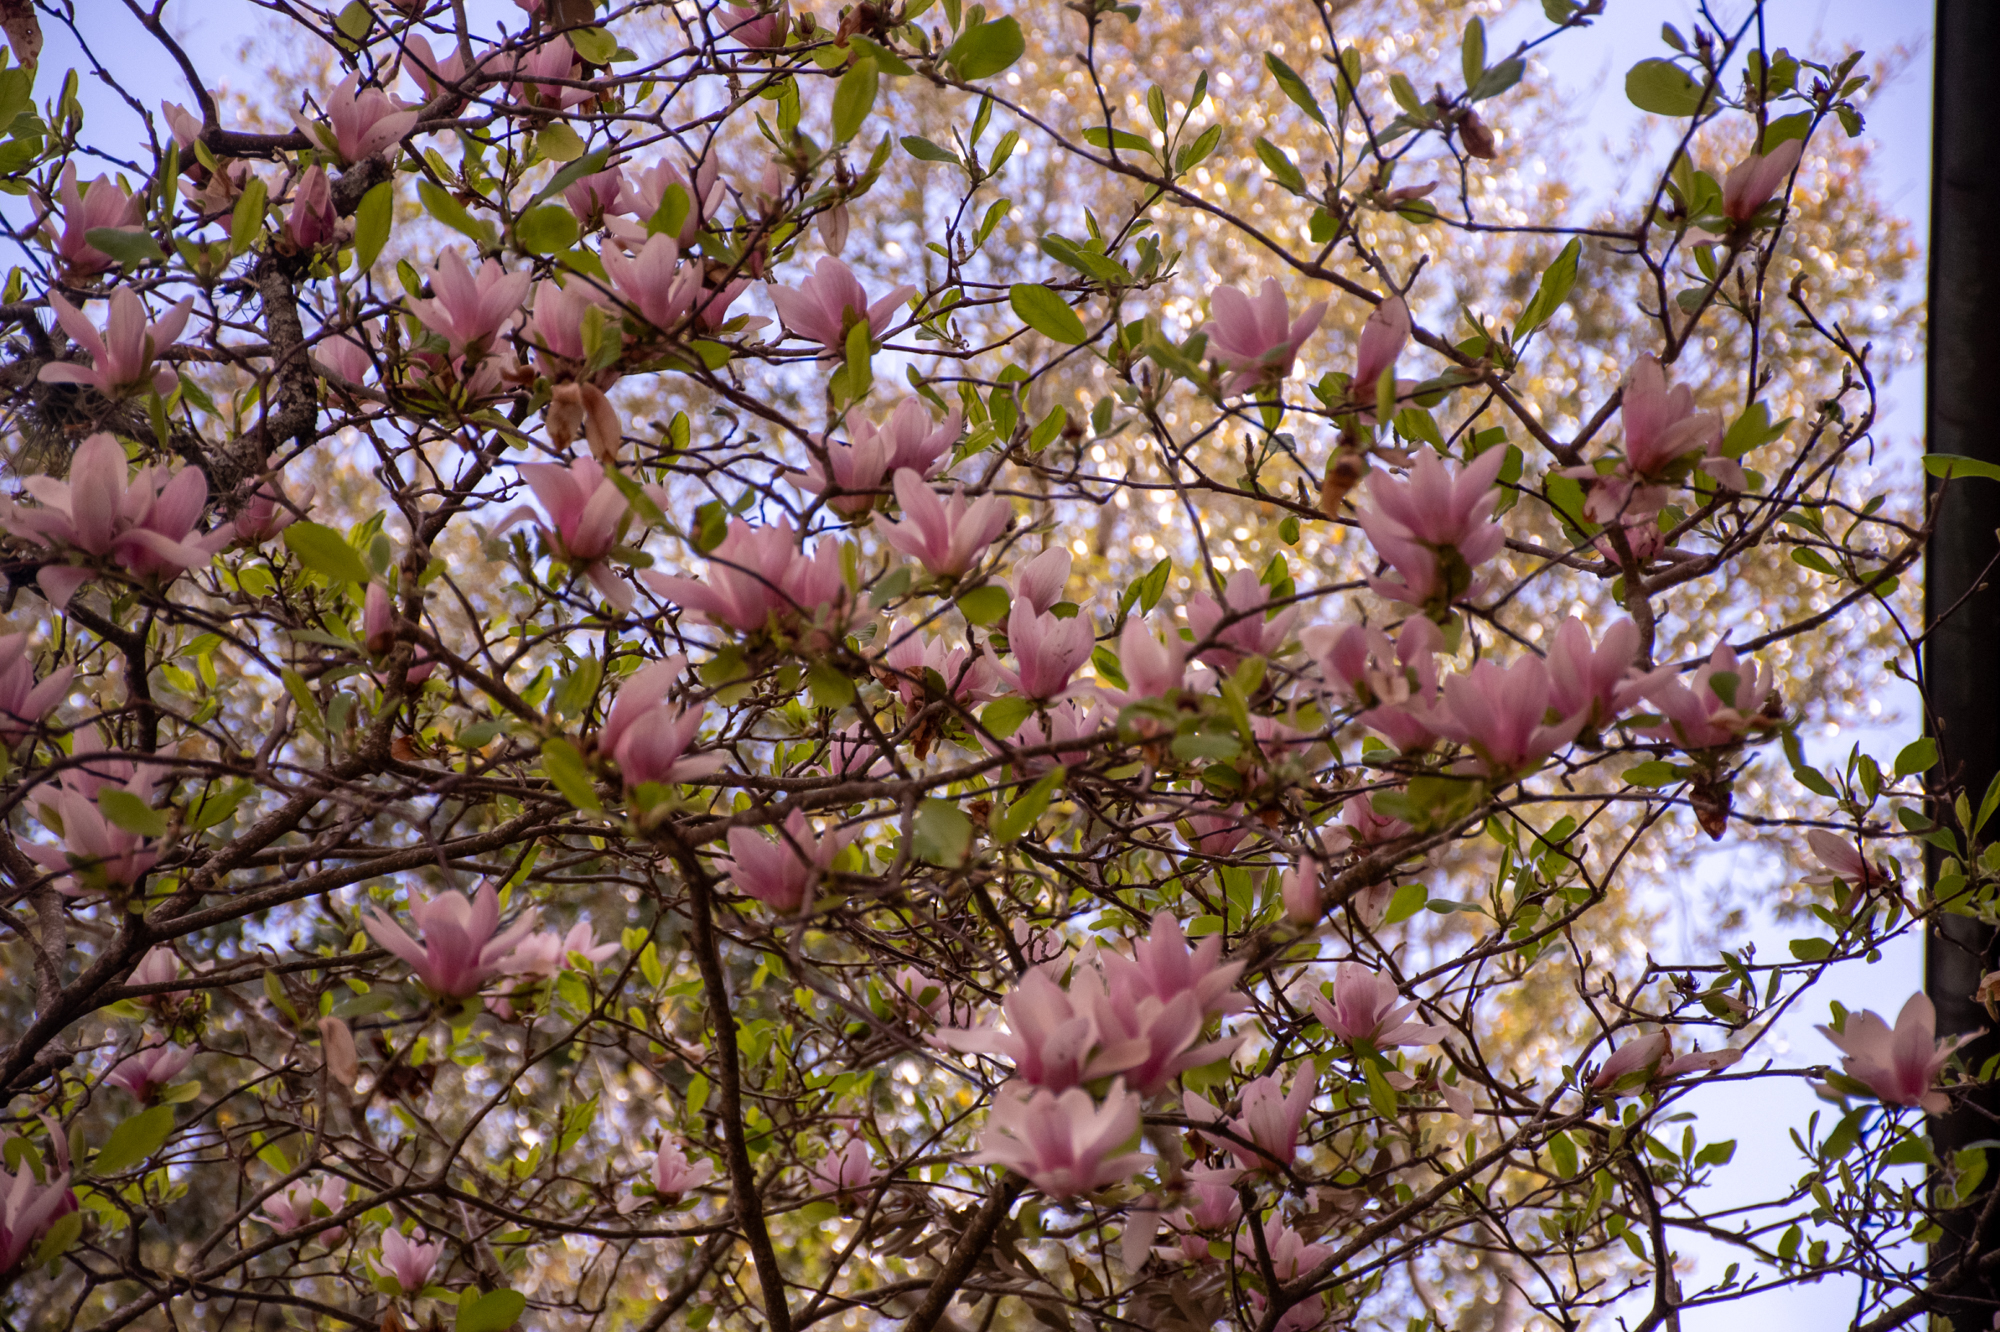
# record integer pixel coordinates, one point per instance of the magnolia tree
(573, 759)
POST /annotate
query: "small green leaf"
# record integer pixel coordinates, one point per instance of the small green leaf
(1811, 950)
(595, 45)
(450, 211)
(1407, 902)
(495, 1311)
(371, 225)
(1021, 815)
(1653, 772)
(853, 99)
(925, 151)
(1663, 88)
(1562, 1154)
(129, 248)
(1282, 168)
(984, 605)
(988, 49)
(1498, 79)
(135, 1140)
(1950, 465)
(1472, 51)
(1003, 716)
(1555, 287)
(564, 766)
(557, 142)
(547, 229)
(830, 686)
(943, 833)
(1917, 756)
(325, 552)
(354, 21)
(1295, 87)
(1047, 313)
(131, 813)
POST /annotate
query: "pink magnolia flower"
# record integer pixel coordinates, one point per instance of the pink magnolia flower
(468, 311)
(343, 355)
(1238, 624)
(1661, 423)
(655, 283)
(946, 537)
(967, 679)
(312, 222)
(1059, 724)
(1598, 682)
(1216, 1204)
(1164, 966)
(378, 620)
(536, 72)
(29, 1206)
(463, 945)
(829, 302)
(1160, 1034)
(646, 192)
(556, 326)
(1396, 687)
(1843, 860)
(1383, 338)
(1047, 650)
(1257, 339)
(96, 853)
(1368, 1009)
(1153, 668)
(1267, 1129)
(1298, 889)
(359, 124)
(267, 513)
(1039, 582)
(586, 515)
(929, 1002)
(544, 954)
(121, 357)
(756, 575)
(145, 1071)
(157, 967)
(1064, 1143)
(1434, 528)
(101, 203)
(1651, 1058)
(1361, 826)
(858, 467)
(1502, 715)
(434, 74)
(848, 1171)
(781, 873)
(297, 1206)
(1724, 700)
(594, 196)
(1751, 182)
(757, 27)
(647, 736)
(1291, 1256)
(673, 1175)
(1900, 1065)
(24, 703)
(408, 1261)
(1050, 1040)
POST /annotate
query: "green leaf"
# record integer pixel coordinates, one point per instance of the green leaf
(1917, 756)
(943, 833)
(246, 223)
(1562, 1153)
(353, 21)
(1194, 154)
(134, 1141)
(1653, 772)
(1099, 137)
(546, 229)
(131, 813)
(371, 225)
(885, 60)
(1472, 51)
(1295, 87)
(58, 1239)
(495, 1311)
(1407, 902)
(1003, 716)
(988, 49)
(1811, 950)
(1555, 287)
(1021, 815)
(1664, 88)
(830, 686)
(853, 99)
(1281, 167)
(325, 552)
(129, 248)
(595, 45)
(450, 211)
(925, 151)
(1498, 79)
(587, 165)
(215, 808)
(557, 142)
(1949, 465)
(564, 766)
(1046, 313)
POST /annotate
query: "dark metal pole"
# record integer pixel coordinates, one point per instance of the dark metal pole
(1962, 652)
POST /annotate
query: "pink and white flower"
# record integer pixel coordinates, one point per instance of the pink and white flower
(122, 356)
(1900, 1065)
(830, 302)
(463, 945)
(1063, 1143)
(1256, 339)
